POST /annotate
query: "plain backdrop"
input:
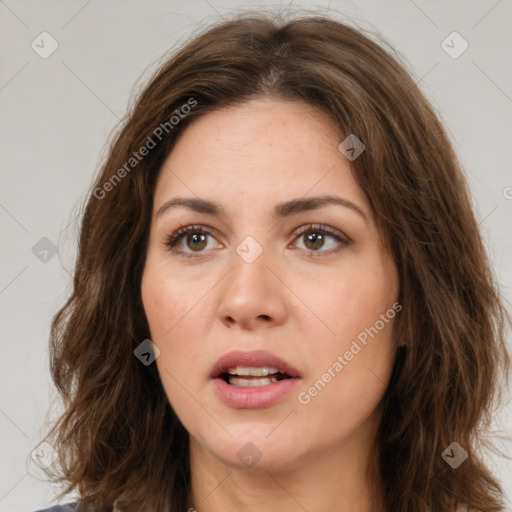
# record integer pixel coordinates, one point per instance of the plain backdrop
(57, 113)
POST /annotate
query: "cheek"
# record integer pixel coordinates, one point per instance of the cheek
(348, 383)
(353, 300)
(167, 300)
(168, 306)
(177, 320)
(163, 310)
(353, 358)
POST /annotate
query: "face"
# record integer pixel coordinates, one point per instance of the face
(268, 279)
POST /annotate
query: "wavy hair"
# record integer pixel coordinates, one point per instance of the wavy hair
(118, 438)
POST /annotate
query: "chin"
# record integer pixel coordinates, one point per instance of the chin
(252, 448)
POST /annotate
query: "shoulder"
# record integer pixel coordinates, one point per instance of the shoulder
(69, 507)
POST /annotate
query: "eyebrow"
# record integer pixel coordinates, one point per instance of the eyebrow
(281, 210)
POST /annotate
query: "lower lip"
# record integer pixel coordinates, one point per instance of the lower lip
(255, 397)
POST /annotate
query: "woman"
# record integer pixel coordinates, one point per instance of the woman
(281, 298)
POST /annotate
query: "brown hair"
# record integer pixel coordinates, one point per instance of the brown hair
(118, 435)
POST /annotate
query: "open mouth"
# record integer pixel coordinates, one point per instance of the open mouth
(253, 379)
(250, 376)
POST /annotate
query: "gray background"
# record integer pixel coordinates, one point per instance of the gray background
(57, 113)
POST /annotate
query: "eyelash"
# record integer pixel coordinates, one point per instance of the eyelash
(176, 237)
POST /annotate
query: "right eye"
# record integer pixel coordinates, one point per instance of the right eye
(195, 238)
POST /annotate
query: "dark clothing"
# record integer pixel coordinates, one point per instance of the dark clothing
(69, 507)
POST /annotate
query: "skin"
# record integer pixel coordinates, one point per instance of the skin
(305, 309)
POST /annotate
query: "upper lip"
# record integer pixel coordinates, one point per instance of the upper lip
(254, 358)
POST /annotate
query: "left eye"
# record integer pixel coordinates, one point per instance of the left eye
(313, 235)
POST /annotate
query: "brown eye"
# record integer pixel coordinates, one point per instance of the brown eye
(189, 240)
(316, 237)
(314, 241)
(196, 242)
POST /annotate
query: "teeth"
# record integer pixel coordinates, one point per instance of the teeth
(247, 383)
(253, 371)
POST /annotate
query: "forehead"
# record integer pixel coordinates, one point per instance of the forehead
(263, 149)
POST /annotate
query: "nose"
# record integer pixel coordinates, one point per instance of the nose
(253, 295)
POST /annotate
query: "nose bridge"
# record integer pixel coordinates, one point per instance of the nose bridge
(251, 290)
(250, 275)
